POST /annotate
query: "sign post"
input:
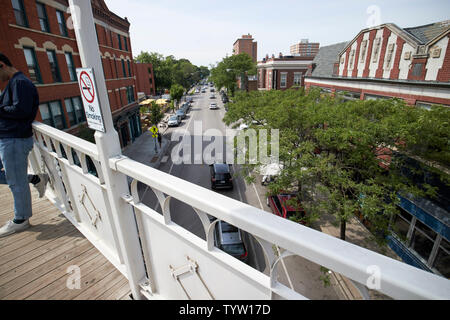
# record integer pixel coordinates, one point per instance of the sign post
(89, 95)
(98, 113)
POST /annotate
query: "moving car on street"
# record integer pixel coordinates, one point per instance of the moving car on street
(213, 106)
(221, 176)
(229, 239)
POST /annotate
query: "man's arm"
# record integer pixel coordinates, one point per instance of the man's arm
(22, 102)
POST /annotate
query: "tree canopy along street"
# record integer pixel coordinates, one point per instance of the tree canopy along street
(347, 157)
(225, 73)
(169, 71)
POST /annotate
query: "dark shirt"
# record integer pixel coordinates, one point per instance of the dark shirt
(19, 103)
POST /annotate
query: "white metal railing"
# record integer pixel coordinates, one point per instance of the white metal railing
(179, 264)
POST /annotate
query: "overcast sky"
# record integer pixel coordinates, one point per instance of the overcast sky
(204, 31)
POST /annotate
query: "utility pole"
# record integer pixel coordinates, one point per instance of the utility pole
(108, 145)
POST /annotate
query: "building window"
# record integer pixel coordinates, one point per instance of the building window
(120, 41)
(363, 51)
(297, 79)
(401, 225)
(123, 68)
(33, 68)
(125, 42)
(352, 59)
(417, 69)
(130, 94)
(129, 68)
(19, 13)
(389, 56)
(61, 23)
(422, 240)
(346, 95)
(283, 80)
(376, 49)
(53, 66)
(442, 261)
(75, 110)
(71, 66)
(374, 97)
(42, 15)
(52, 114)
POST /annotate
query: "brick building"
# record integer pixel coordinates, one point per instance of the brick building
(283, 72)
(248, 45)
(145, 79)
(39, 39)
(412, 64)
(305, 48)
(386, 61)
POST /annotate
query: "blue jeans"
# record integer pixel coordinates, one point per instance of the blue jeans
(14, 160)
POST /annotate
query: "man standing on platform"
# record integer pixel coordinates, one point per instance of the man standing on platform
(19, 102)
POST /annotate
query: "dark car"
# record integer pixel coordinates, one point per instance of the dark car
(229, 239)
(221, 176)
(185, 107)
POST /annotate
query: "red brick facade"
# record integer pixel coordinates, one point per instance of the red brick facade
(120, 76)
(398, 55)
(248, 45)
(272, 71)
(145, 80)
(413, 61)
(444, 71)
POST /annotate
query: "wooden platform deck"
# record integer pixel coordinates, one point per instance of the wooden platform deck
(34, 263)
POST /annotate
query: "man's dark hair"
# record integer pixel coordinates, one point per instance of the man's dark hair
(5, 60)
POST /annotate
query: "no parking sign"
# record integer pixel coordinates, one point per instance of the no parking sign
(89, 96)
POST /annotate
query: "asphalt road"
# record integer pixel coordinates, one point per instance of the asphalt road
(201, 119)
(295, 272)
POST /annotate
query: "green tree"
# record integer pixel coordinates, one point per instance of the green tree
(176, 93)
(168, 70)
(338, 156)
(230, 68)
(155, 113)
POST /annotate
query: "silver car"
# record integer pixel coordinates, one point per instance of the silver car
(174, 121)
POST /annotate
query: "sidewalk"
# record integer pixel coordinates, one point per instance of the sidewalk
(356, 233)
(143, 148)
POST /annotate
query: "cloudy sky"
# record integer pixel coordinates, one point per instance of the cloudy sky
(204, 31)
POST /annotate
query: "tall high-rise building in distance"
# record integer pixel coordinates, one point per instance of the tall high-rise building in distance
(246, 44)
(305, 48)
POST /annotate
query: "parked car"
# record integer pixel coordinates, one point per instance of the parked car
(185, 107)
(221, 176)
(174, 121)
(212, 90)
(280, 207)
(181, 113)
(229, 239)
(203, 90)
(213, 106)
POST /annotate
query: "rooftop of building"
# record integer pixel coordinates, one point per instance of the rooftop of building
(281, 58)
(326, 58)
(428, 32)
